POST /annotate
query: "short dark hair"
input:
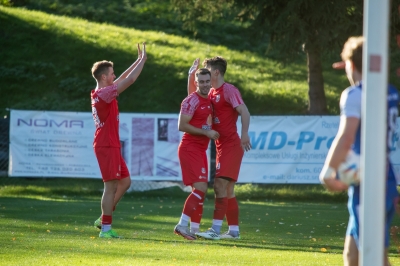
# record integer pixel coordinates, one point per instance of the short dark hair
(202, 71)
(217, 62)
(352, 50)
(101, 67)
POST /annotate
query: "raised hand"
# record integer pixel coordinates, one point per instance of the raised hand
(194, 67)
(139, 51)
(143, 52)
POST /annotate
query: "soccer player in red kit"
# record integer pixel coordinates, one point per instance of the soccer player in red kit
(195, 120)
(106, 142)
(228, 104)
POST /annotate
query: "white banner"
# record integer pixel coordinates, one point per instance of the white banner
(286, 149)
(292, 149)
(59, 144)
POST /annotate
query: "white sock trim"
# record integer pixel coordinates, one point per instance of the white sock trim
(184, 221)
(234, 228)
(217, 222)
(194, 225)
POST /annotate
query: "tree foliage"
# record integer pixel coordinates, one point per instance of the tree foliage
(315, 27)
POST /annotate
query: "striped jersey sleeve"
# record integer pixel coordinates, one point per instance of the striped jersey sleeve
(232, 95)
(108, 93)
(189, 105)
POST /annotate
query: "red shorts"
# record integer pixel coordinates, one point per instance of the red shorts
(193, 164)
(112, 165)
(228, 161)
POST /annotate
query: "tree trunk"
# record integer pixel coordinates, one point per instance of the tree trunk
(316, 92)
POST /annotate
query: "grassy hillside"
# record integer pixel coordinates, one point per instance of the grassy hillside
(46, 61)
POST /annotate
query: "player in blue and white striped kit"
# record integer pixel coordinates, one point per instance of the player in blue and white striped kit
(349, 137)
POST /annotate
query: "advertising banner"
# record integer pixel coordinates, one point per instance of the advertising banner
(285, 149)
(59, 144)
(292, 149)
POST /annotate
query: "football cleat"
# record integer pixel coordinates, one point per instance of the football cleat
(109, 234)
(97, 223)
(209, 234)
(185, 232)
(227, 235)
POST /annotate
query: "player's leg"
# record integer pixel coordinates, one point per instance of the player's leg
(123, 184)
(194, 173)
(110, 170)
(351, 243)
(197, 214)
(221, 202)
(350, 252)
(107, 205)
(195, 219)
(220, 206)
(191, 204)
(232, 214)
(230, 160)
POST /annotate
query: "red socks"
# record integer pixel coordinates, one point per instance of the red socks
(221, 205)
(232, 212)
(193, 203)
(106, 219)
(198, 213)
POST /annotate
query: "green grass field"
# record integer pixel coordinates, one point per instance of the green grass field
(46, 66)
(50, 222)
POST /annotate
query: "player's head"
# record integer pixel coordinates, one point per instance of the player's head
(203, 81)
(103, 71)
(217, 65)
(352, 51)
(352, 59)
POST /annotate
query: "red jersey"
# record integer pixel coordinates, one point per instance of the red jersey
(106, 117)
(224, 100)
(201, 111)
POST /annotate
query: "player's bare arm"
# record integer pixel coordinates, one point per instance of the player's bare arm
(134, 74)
(338, 152)
(126, 72)
(191, 87)
(245, 119)
(184, 126)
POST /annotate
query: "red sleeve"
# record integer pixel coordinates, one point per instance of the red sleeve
(189, 106)
(108, 93)
(232, 96)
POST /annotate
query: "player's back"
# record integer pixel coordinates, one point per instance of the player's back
(225, 99)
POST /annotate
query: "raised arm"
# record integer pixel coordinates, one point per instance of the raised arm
(245, 119)
(191, 87)
(183, 125)
(134, 73)
(129, 70)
